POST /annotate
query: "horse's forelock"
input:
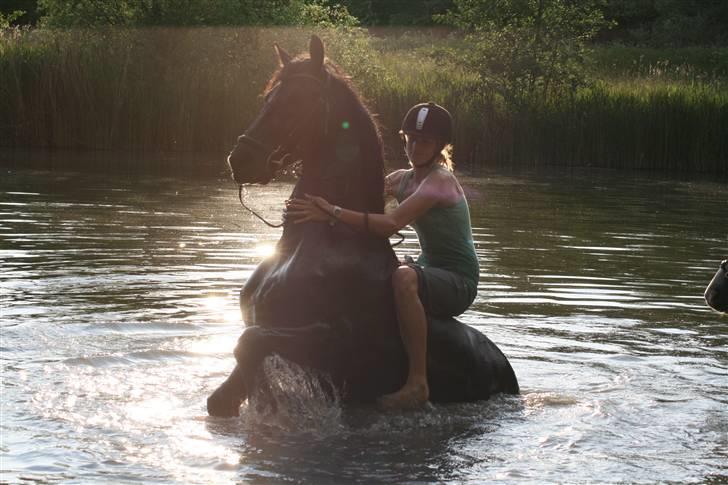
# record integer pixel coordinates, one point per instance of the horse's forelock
(301, 65)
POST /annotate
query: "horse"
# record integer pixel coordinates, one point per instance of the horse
(716, 294)
(324, 299)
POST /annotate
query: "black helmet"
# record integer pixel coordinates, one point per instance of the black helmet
(428, 119)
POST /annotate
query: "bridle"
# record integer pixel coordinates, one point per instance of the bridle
(291, 141)
(278, 155)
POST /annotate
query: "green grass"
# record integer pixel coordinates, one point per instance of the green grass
(197, 89)
(676, 64)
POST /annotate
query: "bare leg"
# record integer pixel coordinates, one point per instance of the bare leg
(413, 329)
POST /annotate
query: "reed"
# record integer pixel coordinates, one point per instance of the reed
(675, 63)
(178, 89)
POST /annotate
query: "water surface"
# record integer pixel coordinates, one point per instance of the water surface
(119, 312)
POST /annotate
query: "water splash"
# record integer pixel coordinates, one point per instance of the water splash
(292, 399)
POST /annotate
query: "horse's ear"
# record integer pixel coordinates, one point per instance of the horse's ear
(316, 51)
(283, 57)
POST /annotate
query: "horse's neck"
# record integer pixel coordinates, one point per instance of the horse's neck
(345, 167)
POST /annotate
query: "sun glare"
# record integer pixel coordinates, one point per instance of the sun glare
(221, 305)
(265, 250)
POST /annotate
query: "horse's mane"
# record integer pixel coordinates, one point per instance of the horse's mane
(373, 157)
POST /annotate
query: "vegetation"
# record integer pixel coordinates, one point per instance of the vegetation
(526, 49)
(525, 79)
(137, 13)
(641, 114)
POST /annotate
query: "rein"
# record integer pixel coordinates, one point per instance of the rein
(290, 141)
(283, 223)
(269, 224)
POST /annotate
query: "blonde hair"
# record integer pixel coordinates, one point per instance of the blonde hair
(446, 157)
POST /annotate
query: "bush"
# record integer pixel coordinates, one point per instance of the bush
(134, 13)
(525, 49)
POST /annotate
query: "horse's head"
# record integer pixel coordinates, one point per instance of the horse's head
(291, 122)
(716, 294)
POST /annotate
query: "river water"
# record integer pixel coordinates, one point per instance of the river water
(118, 299)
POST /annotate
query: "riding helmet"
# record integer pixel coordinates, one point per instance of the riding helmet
(428, 119)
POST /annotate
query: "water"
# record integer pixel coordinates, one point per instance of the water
(118, 301)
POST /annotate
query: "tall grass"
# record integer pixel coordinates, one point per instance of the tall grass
(166, 89)
(674, 63)
(196, 90)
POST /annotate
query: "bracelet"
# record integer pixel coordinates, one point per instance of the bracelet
(337, 212)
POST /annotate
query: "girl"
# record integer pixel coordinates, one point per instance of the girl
(443, 282)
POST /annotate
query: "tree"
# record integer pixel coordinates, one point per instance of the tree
(128, 13)
(18, 12)
(400, 12)
(527, 48)
(668, 22)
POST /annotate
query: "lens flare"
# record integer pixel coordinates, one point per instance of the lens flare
(222, 306)
(265, 250)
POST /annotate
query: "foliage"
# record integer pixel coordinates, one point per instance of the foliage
(7, 19)
(92, 13)
(523, 49)
(397, 13)
(321, 14)
(23, 12)
(195, 89)
(656, 23)
(668, 23)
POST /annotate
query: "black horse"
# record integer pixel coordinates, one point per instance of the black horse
(324, 300)
(716, 294)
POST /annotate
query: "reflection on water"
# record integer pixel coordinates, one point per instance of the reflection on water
(119, 315)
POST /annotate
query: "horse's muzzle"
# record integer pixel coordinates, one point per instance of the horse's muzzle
(249, 163)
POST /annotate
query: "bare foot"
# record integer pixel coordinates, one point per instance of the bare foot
(411, 396)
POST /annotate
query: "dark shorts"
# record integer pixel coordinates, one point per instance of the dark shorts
(443, 293)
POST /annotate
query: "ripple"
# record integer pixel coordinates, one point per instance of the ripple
(119, 315)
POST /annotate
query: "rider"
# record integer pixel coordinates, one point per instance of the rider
(444, 280)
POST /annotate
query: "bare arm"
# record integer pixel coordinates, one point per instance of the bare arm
(391, 182)
(433, 190)
(387, 224)
(318, 209)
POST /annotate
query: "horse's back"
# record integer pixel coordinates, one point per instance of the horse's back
(465, 365)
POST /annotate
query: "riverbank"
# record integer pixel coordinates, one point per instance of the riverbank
(195, 90)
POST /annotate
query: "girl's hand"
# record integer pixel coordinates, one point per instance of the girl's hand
(312, 208)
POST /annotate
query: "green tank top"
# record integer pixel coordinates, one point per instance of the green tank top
(446, 237)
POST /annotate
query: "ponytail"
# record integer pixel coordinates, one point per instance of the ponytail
(446, 157)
